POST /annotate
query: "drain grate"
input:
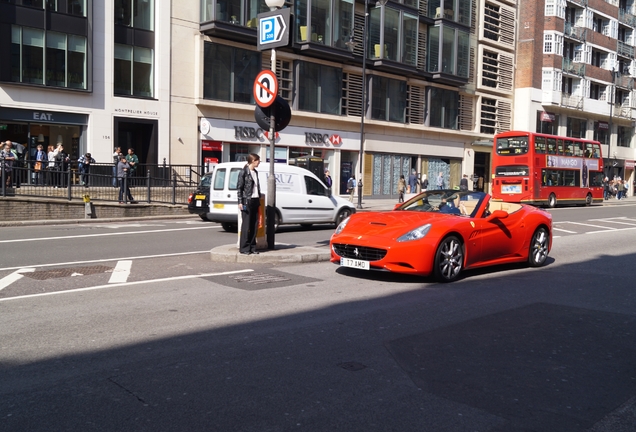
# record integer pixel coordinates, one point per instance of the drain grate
(66, 272)
(259, 278)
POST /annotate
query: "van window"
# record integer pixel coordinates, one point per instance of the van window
(314, 187)
(219, 179)
(234, 175)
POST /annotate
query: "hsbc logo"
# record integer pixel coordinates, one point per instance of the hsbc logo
(316, 138)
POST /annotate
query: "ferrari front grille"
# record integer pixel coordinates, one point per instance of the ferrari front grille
(358, 252)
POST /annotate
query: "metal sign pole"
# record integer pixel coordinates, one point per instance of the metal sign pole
(271, 180)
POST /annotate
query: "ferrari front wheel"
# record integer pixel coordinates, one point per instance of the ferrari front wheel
(539, 248)
(449, 259)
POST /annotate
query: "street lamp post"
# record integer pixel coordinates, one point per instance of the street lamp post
(270, 213)
(610, 171)
(364, 99)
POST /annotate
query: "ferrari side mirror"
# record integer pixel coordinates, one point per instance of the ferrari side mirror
(498, 214)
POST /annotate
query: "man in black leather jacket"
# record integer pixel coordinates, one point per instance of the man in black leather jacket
(248, 194)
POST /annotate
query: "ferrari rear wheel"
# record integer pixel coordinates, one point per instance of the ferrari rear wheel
(539, 248)
(449, 259)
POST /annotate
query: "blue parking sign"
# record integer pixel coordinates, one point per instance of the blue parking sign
(273, 29)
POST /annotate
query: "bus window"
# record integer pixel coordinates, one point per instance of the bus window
(568, 148)
(597, 151)
(539, 144)
(512, 145)
(560, 149)
(578, 150)
(589, 150)
(551, 146)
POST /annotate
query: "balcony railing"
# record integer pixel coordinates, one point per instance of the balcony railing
(575, 32)
(625, 81)
(572, 101)
(624, 110)
(626, 18)
(625, 50)
(569, 66)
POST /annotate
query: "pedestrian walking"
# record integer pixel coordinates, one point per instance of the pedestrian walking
(401, 187)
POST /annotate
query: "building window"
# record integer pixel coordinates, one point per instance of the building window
(452, 10)
(65, 58)
(547, 123)
(444, 107)
(134, 75)
(488, 116)
(552, 43)
(555, 8)
(76, 7)
(393, 37)
(450, 54)
(328, 22)
(316, 89)
(576, 128)
(139, 14)
(624, 136)
(229, 73)
(388, 101)
(499, 23)
(600, 132)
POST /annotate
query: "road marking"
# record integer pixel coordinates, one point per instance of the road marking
(614, 220)
(107, 260)
(612, 230)
(593, 226)
(565, 231)
(99, 287)
(14, 277)
(104, 234)
(121, 272)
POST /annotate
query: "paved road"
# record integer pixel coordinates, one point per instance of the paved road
(313, 347)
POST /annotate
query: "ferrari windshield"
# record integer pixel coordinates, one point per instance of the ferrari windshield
(446, 201)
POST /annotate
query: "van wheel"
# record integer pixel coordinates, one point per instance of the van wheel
(552, 201)
(277, 220)
(342, 215)
(229, 227)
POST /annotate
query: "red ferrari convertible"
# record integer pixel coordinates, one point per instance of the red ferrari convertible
(443, 232)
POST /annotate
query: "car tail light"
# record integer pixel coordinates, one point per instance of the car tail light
(190, 198)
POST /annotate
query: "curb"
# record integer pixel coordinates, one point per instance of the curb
(283, 253)
(87, 221)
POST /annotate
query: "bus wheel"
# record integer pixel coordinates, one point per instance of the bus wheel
(588, 200)
(552, 201)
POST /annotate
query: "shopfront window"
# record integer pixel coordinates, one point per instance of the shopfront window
(229, 73)
(133, 71)
(317, 91)
(388, 99)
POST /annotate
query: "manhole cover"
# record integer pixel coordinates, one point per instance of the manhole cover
(66, 272)
(260, 280)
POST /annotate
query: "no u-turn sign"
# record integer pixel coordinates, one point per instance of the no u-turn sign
(265, 88)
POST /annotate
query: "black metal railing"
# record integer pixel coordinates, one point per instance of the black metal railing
(169, 184)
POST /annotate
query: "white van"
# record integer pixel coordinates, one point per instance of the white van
(301, 197)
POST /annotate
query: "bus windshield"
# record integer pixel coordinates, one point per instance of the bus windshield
(512, 145)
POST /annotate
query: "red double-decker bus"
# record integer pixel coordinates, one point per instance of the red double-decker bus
(540, 169)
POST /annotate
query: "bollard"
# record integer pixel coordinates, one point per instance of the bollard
(88, 207)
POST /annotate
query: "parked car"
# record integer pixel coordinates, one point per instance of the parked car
(442, 233)
(301, 197)
(198, 201)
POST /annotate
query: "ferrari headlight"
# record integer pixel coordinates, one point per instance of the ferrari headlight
(415, 234)
(342, 225)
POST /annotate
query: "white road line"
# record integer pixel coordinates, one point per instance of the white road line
(103, 235)
(612, 230)
(593, 226)
(562, 230)
(620, 222)
(121, 272)
(107, 260)
(14, 277)
(125, 284)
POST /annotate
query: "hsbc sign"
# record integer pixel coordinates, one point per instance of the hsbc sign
(317, 138)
